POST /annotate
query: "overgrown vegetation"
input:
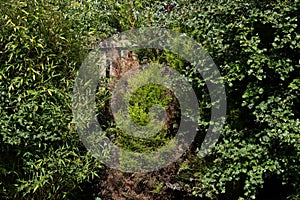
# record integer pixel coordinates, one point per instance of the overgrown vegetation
(256, 46)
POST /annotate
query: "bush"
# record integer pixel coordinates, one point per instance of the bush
(41, 51)
(255, 45)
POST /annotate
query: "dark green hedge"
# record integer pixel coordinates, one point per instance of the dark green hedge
(256, 45)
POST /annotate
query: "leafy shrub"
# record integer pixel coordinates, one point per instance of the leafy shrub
(255, 45)
(41, 50)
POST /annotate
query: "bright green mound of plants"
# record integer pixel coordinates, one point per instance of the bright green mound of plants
(143, 99)
(140, 103)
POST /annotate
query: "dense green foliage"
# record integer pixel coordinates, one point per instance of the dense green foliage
(41, 50)
(255, 44)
